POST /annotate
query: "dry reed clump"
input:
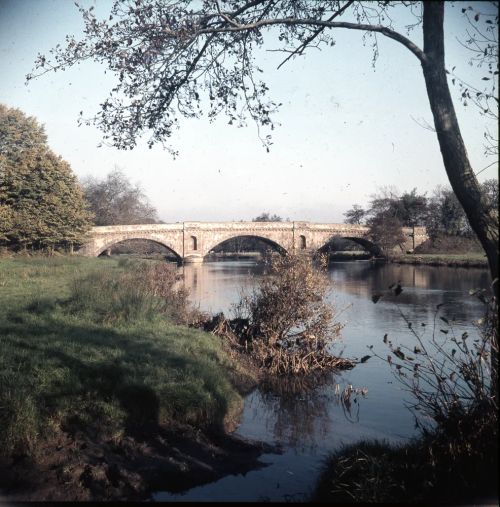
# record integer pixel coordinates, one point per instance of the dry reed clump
(278, 361)
(285, 323)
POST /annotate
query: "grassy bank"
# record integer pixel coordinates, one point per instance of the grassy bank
(77, 360)
(422, 472)
(466, 260)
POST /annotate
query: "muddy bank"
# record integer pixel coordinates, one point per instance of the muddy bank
(75, 467)
(80, 464)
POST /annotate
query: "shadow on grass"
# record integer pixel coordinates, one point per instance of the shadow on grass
(154, 385)
(144, 373)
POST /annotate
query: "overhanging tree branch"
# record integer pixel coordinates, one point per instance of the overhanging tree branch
(387, 32)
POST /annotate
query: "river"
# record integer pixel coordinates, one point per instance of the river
(309, 426)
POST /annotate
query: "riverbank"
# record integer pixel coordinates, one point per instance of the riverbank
(424, 471)
(468, 260)
(101, 399)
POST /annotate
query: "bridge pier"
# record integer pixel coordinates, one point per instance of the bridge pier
(193, 259)
(191, 241)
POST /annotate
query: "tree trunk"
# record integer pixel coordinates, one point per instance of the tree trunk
(482, 219)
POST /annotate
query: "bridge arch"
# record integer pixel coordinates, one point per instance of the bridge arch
(368, 245)
(273, 244)
(100, 250)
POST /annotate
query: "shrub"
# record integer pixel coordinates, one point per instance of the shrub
(452, 380)
(290, 323)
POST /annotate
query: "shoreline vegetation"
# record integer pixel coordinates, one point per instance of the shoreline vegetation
(104, 396)
(462, 260)
(109, 392)
(466, 260)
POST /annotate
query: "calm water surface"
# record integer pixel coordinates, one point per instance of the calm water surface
(309, 426)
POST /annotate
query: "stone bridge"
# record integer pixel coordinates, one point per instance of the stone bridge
(192, 241)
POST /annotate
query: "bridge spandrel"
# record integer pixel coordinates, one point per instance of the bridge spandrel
(211, 234)
(196, 239)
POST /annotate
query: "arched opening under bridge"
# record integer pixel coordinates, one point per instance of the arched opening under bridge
(244, 246)
(349, 248)
(141, 248)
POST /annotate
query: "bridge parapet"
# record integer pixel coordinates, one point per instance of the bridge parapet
(192, 241)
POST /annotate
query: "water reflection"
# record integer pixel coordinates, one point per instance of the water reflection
(310, 424)
(301, 411)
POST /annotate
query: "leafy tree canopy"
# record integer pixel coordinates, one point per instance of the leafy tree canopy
(19, 132)
(115, 201)
(174, 57)
(354, 215)
(43, 205)
(409, 208)
(385, 231)
(267, 217)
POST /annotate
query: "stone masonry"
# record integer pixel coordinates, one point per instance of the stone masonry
(192, 241)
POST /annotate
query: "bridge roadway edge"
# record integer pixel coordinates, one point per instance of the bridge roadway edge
(192, 241)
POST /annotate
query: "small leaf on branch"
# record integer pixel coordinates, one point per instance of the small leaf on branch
(444, 331)
(399, 354)
(364, 359)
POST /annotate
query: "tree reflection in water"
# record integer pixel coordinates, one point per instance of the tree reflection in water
(302, 407)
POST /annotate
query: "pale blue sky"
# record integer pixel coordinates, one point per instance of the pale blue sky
(346, 128)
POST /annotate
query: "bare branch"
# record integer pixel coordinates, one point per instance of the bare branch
(387, 32)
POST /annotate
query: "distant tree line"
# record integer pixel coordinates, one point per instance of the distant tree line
(43, 207)
(441, 213)
(249, 243)
(113, 200)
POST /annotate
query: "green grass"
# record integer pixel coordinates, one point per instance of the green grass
(471, 259)
(462, 256)
(64, 366)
